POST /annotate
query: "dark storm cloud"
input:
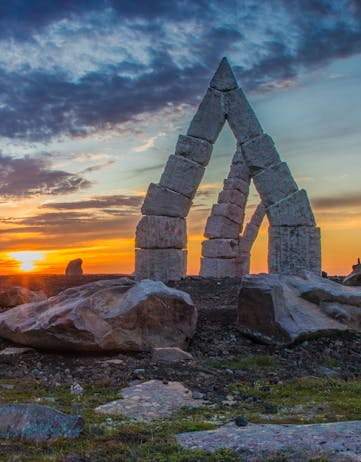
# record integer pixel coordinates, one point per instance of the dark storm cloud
(337, 202)
(39, 104)
(26, 177)
(99, 202)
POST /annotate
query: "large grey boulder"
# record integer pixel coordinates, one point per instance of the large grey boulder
(282, 309)
(118, 314)
(37, 423)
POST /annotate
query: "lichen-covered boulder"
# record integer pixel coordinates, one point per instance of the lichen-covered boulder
(37, 423)
(117, 314)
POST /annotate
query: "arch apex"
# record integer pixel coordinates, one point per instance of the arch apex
(224, 79)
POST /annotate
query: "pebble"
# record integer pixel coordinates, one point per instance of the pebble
(197, 395)
(76, 389)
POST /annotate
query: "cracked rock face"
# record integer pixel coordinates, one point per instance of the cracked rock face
(116, 314)
(282, 309)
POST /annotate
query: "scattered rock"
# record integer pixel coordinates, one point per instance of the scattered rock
(197, 395)
(37, 423)
(339, 441)
(241, 421)
(74, 267)
(354, 278)
(76, 389)
(170, 354)
(116, 314)
(150, 400)
(282, 309)
(14, 296)
(10, 351)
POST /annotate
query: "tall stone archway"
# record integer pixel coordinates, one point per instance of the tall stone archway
(161, 236)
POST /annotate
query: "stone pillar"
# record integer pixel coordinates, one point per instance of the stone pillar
(220, 253)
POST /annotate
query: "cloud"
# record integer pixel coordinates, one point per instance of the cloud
(98, 202)
(27, 177)
(75, 68)
(337, 202)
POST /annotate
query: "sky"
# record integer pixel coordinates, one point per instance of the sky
(94, 94)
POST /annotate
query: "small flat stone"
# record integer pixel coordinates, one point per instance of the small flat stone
(170, 354)
(150, 400)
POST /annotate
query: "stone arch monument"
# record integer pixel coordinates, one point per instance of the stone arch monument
(161, 236)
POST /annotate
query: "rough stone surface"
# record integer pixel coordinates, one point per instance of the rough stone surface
(115, 314)
(170, 355)
(232, 196)
(210, 117)
(260, 153)
(252, 228)
(294, 249)
(282, 309)
(74, 267)
(354, 278)
(275, 183)
(239, 167)
(236, 183)
(13, 296)
(150, 400)
(161, 232)
(294, 210)
(220, 268)
(240, 115)
(224, 79)
(194, 149)
(337, 441)
(221, 227)
(230, 211)
(160, 264)
(162, 201)
(220, 248)
(182, 175)
(37, 423)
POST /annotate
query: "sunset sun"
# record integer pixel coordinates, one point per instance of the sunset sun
(27, 259)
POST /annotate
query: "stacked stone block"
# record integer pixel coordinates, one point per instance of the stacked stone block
(220, 253)
(161, 234)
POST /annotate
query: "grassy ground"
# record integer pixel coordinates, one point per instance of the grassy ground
(113, 438)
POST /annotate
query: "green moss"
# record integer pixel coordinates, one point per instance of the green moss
(246, 363)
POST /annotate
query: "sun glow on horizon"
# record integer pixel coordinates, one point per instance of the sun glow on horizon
(27, 259)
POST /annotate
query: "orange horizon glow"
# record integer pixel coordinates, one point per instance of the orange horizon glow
(116, 256)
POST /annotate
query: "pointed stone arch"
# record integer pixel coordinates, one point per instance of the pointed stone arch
(161, 236)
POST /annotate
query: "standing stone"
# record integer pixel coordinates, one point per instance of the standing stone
(292, 249)
(224, 79)
(161, 232)
(194, 149)
(240, 116)
(163, 201)
(232, 196)
(221, 227)
(210, 117)
(260, 153)
(74, 267)
(294, 210)
(182, 176)
(275, 183)
(230, 211)
(220, 248)
(160, 264)
(220, 268)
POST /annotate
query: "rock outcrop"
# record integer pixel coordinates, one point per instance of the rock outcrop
(74, 267)
(116, 314)
(282, 309)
